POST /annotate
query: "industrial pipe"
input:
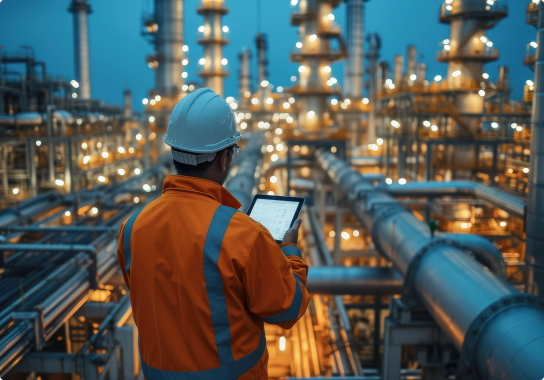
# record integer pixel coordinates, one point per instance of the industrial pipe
(354, 280)
(534, 256)
(498, 198)
(81, 9)
(498, 330)
(353, 69)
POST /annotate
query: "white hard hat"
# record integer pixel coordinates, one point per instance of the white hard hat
(202, 122)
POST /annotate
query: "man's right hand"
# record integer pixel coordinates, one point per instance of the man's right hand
(291, 236)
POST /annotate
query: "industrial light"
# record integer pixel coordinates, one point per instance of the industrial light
(347, 101)
(79, 121)
(355, 233)
(152, 102)
(289, 120)
(449, 1)
(402, 181)
(334, 102)
(447, 47)
(485, 75)
(84, 145)
(391, 86)
(495, 125)
(201, 28)
(481, 92)
(379, 141)
(105, 154)
(466, 225)
(388, 81)
(446, 42)
(310, 114)
(270, 148)
(294, 2)
(330, 16)
(519, 128)
(185, 62)
(99, 144)
(184, 74)
(139, 136)
(273, 179)
(38, 143)
(270, 193)
(502, 224)
(449, 7)
(327, 69)
(279, 147)
(136, 200)
(438, 78)
(146, 187)
(529, 83)
(254, 101)
(313, 37)
(86, 159)
(74, 83)
(224, 61)
(278, 131)
(490, 2)
(282, 338)
(266, 125)
(514, 125)
(59, 182)
(225, 29)
(366, 101)
(344, 106)
(483, 39)
(121, 171)
(274, 157)
(413, 77)
(121, 149)
(456, 73)
(185, 48)
(291, 100)
(533, 44)
(158, 98)
(137, 171)
(202, 61)
(67, 213)
(389, 181)
(374, 147)
(526, 170)
(302, 69)
(94, 210)
(286, 105)
(395, 123)
(131, 150)
(243, 125)
(489, 43)
(269, 100)
(151, 119)
(15, 191)
(293, 78)
(74, 95)
(434, 128)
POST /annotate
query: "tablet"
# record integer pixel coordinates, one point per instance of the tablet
(276, 213)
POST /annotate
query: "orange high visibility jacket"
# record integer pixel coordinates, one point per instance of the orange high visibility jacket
(203, 278)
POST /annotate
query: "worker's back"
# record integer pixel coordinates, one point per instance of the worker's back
(202, 278)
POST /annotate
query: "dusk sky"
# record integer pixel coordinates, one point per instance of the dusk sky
(118, 50)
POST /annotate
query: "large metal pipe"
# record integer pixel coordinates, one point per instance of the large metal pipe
(81, 9)
(354, 280)
(498, 198)
(353, 69)
(244, 75)
(534, 255)
(458, 293)
(168, 43)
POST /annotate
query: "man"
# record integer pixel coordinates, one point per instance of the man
(202, 276)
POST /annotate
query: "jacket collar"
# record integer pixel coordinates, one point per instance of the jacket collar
(201, 186)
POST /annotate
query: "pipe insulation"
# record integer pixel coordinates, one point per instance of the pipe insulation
(498, 330)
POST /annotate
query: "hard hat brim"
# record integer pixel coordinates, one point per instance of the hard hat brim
(209, 148)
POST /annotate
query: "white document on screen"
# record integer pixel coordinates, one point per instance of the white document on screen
(275, 215)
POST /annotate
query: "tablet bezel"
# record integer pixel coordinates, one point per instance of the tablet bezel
(299, 200)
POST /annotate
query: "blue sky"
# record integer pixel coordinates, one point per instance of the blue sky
(118, 51)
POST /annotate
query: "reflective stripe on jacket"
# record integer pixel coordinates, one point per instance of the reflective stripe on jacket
(203, 278)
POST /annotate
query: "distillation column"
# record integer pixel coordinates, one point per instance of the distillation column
(81, 9)
(262, 72)
(466, 52)
(212, 35)
(375, 43)
(244, 75)
(534, 255)
(316, 30)
(168, 42)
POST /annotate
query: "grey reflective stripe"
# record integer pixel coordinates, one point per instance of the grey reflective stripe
(127, 233)
(232, 372)
(291, 250)
(293, 310)
(229, 369)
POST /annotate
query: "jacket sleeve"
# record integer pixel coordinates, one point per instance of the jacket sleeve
(275, 281)
(121, 255)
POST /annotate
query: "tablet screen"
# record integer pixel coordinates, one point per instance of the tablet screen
(275, 215)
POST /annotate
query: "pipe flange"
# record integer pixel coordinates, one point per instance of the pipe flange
(408, 290)
(466, 368)
(381, 215)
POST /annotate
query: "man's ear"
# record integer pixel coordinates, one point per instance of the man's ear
(223, 158)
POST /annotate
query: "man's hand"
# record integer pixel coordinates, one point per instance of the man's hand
(291, 236)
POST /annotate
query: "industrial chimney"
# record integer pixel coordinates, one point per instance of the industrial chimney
(80, 9)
